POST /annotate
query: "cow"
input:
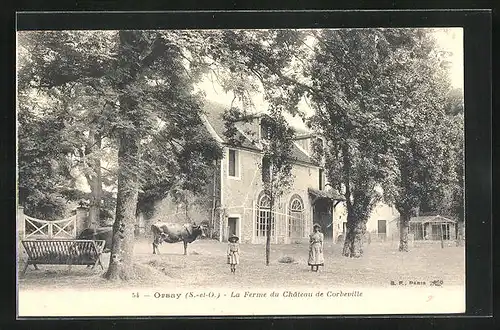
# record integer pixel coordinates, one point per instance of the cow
(174, 232)
(101, 233)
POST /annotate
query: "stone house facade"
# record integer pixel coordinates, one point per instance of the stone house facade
(235, 202)
(378, 227)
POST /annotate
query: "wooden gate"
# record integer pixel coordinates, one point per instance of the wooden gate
(44, 229)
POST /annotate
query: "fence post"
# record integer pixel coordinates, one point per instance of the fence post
(50, 230)
(81, 219)
(20, 222)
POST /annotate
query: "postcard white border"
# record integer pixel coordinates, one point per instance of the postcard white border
(223, 302)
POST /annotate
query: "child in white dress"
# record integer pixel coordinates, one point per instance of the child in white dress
(316, 258)
(233, 252)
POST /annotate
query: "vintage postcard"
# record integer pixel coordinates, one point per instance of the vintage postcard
(240, 172)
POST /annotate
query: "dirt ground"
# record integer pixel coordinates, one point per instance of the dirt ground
(205, 266)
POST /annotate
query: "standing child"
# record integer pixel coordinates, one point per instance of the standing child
(233, 252)
(316, 258)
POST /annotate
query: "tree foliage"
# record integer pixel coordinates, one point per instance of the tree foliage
(41, 168)
(43, 68)
(380, 97)
(145, 79)
(344, 74)
(421, 144)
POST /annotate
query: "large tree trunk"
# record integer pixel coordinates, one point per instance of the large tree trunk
(404, 222)
(120, 264)
(358, 212)
(95, 182)
(122, 250)
(353, 241)
(353, 244)
(95, 206)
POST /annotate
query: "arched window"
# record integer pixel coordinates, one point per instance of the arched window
(264, 216)
(296, 217)
(265, 202)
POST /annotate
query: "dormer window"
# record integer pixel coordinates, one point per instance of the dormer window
(319, 145)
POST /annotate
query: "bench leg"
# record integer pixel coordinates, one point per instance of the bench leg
(98, 262)
(36, 267)
(25, 268)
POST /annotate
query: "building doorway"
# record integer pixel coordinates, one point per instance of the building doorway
(323, 207)
(382, 229)
(232, 226)
(322, 214)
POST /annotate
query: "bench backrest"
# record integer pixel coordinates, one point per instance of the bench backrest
(63, 251)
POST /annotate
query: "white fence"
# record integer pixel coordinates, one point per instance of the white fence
(44, 229)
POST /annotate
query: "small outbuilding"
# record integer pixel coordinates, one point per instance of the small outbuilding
(430, 227)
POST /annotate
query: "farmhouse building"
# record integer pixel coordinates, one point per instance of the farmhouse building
(235, 202)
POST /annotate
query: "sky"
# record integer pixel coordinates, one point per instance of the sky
(449, 39)
(452, 40)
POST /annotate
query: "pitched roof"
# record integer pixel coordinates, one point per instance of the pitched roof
(214, 112)
(428, 219)
(300, 155)
(431, 218)
(328, 194)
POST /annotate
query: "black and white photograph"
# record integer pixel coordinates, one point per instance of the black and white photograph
(222, 172)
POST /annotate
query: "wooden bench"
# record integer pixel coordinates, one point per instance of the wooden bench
(63, 252)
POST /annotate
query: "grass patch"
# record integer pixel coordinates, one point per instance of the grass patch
(380, 264)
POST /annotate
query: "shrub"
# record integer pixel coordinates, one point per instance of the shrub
(286, 260)
(154, 263)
